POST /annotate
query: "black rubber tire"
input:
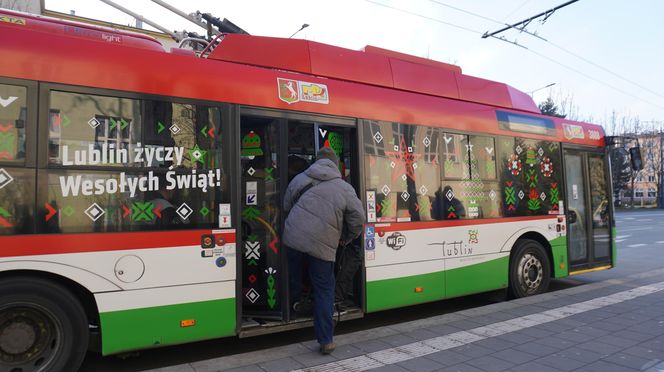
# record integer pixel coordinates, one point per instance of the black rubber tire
(52, 315)
(530, 270)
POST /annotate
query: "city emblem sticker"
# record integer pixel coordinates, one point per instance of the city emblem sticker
(288, 90)
(292, 91)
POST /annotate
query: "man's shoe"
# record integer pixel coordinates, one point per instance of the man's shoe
(327, 348)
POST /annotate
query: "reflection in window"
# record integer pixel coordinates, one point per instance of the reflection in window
(90, 130)
(166, 160)
(402, 168)
(599, 202)
(17, 200)
(454, 155)
(13, 116)
(164, 206)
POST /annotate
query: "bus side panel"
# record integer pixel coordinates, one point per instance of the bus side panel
(422, 282)
(559, 254)
(136, 327)
(481, 277)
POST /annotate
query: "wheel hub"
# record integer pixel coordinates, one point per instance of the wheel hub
(28, 338)
(17, 336)
(531, 272)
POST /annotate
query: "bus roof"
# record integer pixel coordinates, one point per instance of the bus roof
(372, 65)
(79, 30)
(372, 84)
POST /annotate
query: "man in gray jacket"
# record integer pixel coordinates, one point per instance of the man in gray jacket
(323, 212)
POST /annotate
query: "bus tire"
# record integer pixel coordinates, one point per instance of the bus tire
(43, 326)
(530, 271)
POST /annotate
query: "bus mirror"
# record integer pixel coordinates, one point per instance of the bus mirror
(635, 155)
(572, 217)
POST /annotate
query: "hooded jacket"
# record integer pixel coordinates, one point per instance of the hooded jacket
(323, 214)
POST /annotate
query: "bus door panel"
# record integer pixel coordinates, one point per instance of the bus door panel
(274, 148)
(587, 211)
(261, 197)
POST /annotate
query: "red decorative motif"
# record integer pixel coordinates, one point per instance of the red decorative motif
(403, 160)
(514, 164)
(546, 167)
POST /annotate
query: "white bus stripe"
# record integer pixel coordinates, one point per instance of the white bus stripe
(421, 348)
(151, 297)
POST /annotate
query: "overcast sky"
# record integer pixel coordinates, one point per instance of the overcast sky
(620, 41)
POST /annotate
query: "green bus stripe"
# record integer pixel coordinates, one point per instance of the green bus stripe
(397, 292)
(559, 255)
(481, 277)
(126, 330)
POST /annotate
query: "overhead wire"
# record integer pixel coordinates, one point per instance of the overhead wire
(530, 50)
(515, 10)
(423, 16)
(615, 74)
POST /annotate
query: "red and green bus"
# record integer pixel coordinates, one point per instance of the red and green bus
(141, 188)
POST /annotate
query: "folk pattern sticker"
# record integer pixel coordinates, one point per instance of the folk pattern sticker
(553, 196)
(271, 291)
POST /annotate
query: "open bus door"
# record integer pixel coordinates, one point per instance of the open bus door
(275, 147)
(588, 210)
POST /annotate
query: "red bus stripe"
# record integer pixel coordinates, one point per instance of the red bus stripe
(27, 245)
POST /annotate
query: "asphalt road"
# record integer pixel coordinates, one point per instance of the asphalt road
(640, 238)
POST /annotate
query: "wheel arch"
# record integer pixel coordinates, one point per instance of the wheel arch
(82, 287)
(85, 297)
(538, 237)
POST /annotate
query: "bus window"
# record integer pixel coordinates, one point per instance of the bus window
(17, 200)
(402, 168)
(483, 199)
(120, 164)
(13, 115)
(529, 176)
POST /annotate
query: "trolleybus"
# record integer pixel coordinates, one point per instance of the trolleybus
(141, 188)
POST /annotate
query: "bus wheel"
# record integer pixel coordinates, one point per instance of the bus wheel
(530, 271)
(43, 327)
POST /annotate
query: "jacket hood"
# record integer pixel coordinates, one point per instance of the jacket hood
(323, 170)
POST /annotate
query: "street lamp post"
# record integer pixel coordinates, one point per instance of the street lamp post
(301, 28)
(530, 93)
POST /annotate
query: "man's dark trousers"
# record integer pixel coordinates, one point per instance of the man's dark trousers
(321, 275)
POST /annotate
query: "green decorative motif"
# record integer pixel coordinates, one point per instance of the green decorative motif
(197, 154)
(271, 292)
(204, 211)
(510, 196)
(160, 127)
(250, 213)
(268, 174)
(142, 211)
(490, 167)
(385, 205)
(251, 145)
(68, 211)
(449, 165)
(531, 157)
(531, 177)
(122, 123)
(335, 142)
(451, 212)
(7, 148)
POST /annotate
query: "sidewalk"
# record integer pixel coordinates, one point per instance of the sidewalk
(613, 325)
